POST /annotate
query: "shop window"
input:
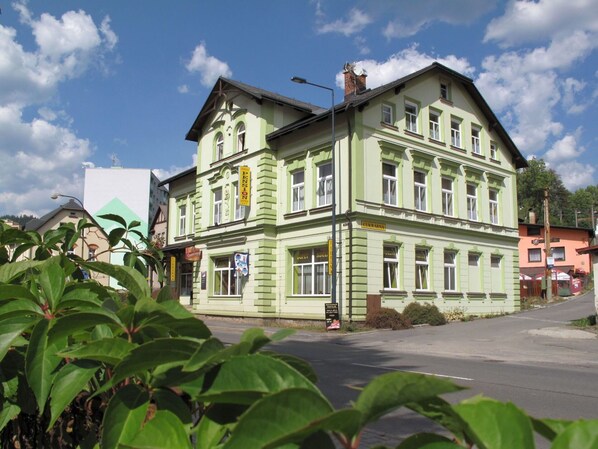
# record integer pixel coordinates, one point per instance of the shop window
(310, 272)
(391, 267)
(226, 282)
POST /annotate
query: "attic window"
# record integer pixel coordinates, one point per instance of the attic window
(445, 90)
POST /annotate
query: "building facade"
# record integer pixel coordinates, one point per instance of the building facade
(426, 207)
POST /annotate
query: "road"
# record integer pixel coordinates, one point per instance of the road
(533, 359)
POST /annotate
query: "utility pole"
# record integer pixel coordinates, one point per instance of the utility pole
(548, 252)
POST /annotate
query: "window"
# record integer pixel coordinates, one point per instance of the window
(534, 255)
(475, 273)
(420, 190)
(391, 267)
(493, 151)
(298, 191)
(411, 117)
(389, 184)
(472, 202)
(219, 147)
(310, 272)
(447, 196)
(444, 91)
(475, 140)
(186, 279)
(241, 137)
(558, 252)
(91, 254)
(497, 274)
(456, 133)
(387, 114)
(193, 210)
(239, 210)
(325, 184)
(226, 283)
(450, 271)
(218, 206)
(493, 198)
(421, 269)
(435, 126)
(182, 219)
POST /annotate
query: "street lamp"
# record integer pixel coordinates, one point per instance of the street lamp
(300, 80)
(56, 195)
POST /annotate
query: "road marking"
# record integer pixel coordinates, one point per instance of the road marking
(410, 371)
(539, 319)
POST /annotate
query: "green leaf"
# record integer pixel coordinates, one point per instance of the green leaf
(210, 352)
(163, 431)
(550, 428)
(124, 416)
(164, 294)
(9, 291)
(579, 435)
(41, 362)
(277, 416)
(115, 236)
(108, 350)
(496, 425)
(442, 413)
(11, 329)
(134, 224)
(168, 400)
(393, 390)
(428, 441)
(187, 327)
(69, 382)
(299, 364)
(210, 432)
(243, 379)
(52, 280)
(89, 292)
(75, 322)
(258, 339)
(116, 218)
(7, 413)
(11, 271)
(18, 307)
(128, 277)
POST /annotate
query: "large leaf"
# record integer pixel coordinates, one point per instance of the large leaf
(210, 432)
(124, 416)
(11, 329)
(271, 420)
(75, 322)
(168, 400)
(9, 291)
(107, 350)
(163, 431)
(52, 280)
(83, 292)
(7, 413)
(128, 277)
(212, 351)
(19, 307)
(116, 218)
(579, 435)
(69, 382)
(299, 364)
(390, 391)
(441, 412)
(115, 236)
(243, 379)
(41, 362)
(496, 425)
(10, 271)
(550, 428)
(258, 339)
(428, 441)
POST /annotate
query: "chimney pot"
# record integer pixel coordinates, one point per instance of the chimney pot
(354, 84)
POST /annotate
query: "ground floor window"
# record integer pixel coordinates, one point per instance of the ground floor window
(422, 281)
(450, 271)
(186, 279)
(310, 272)
(226, 283)
(497, 273)
(391, 267)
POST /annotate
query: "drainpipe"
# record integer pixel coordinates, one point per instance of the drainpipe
(348, 213)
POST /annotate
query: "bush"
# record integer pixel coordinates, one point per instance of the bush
(386, 318)
(424, 314)
(455, 314)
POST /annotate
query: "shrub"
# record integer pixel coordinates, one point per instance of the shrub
(455, 314)
(424, 314)
(386, 318)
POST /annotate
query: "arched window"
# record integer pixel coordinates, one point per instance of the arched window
(241, 137)
(219, 146)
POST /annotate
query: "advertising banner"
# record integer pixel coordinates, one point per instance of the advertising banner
(244, 186)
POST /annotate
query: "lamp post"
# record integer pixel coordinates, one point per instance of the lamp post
(57, 195)
(300, 80)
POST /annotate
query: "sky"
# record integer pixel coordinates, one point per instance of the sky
(90, 83)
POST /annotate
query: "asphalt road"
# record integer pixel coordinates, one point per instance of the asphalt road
(533, 359)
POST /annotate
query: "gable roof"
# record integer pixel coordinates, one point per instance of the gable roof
(178, 176)
(229, 89)
(161, 211)
(36, 223)
(361, 100)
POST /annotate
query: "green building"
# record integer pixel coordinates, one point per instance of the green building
(426, 204)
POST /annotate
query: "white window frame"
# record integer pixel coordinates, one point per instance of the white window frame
(218, 206)
(455, 132)
(411, 113)
(476, 143)
(241, 137)
(239, 210)
(298, 191)
(229, 284)
(450, 271)
(311, 274)
(390, 184)
(444, 91)
(422, 269)
(493, 151)
(391, 267)
(387, 114)
(447, 196)
(324, 185)
(219, 146)
(493, 205)
(420, 191)
(182, 219)
(435, 126)
(534, 255)
(472, 201)
(193, 211)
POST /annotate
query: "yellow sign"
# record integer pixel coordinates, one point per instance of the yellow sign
(373, 225)
(172, 268)
(330, 256)
(244, 186)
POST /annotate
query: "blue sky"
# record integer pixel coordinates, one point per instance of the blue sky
(81, 81)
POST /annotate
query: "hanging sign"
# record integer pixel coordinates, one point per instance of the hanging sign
(172, 268)
(242, 264)
(330, 257)
(192, 254)
(244, 186)
(333, 320)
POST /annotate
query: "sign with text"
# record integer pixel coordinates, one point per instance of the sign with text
(373, 225)
(172, 268)
(333, 321)
(244, 186)
(330, 256)
(192, 254)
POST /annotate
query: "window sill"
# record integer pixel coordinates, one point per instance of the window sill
(229, 158)
(227, 224)
(479, 156)
(414, 134)
(437, 142)
(309, 297)
(495, 161)
(446, 101)
(424, 294)
(476, 295)
(389, 126)
(180, 238)
(391, 293)
(452, 295)
(321, 209)
(215, 297)
(502, 296)
(462, 150)
(300, 213)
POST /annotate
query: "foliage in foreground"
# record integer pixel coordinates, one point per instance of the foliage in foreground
(82, 366)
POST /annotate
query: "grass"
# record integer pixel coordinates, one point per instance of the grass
(587, 324)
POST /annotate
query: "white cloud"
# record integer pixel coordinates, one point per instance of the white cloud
(209, 67)
(575, 174)
(165, 173)
(536, 21)
(403, 63)
(183, 89)
(356, 21)
(571, 89)
(565, 149)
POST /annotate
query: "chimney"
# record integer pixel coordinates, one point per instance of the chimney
(354, 84)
